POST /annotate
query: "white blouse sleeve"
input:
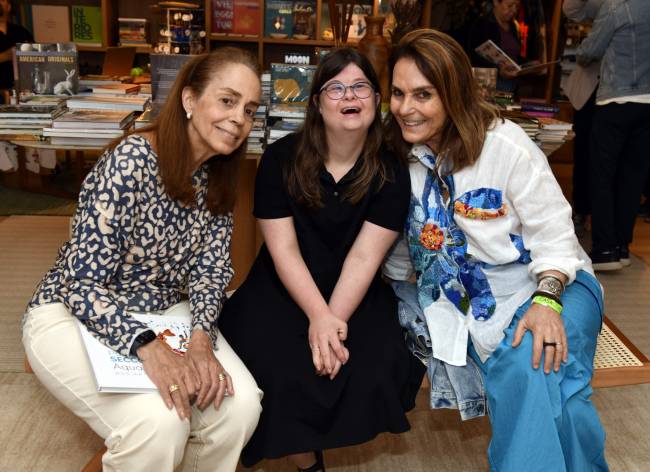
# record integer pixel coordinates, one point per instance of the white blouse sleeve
(544, 214)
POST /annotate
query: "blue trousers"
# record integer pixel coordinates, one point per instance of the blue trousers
(546, 422)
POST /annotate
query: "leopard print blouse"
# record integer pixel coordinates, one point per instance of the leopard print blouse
(135, 249)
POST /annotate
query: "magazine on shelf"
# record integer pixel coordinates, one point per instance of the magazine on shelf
(116, 89)
(493, 53)
(96, 102)
(116, 373)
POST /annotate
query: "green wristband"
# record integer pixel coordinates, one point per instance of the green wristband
(549, 302)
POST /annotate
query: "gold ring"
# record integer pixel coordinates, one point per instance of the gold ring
(173, 388)
(221, 377)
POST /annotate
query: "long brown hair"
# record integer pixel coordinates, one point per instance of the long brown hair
(311, 150)
(446, 66)
(172, 140)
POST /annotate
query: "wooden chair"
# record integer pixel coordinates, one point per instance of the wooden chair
(95, 463)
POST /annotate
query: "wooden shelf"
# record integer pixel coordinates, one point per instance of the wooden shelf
(233, 38)
(299, 42)
(81, 48)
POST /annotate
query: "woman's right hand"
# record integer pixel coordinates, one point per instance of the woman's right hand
(166, 369)
(326, 332)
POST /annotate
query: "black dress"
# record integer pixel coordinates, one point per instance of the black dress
(302, 411)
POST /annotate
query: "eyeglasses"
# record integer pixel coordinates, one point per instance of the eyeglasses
(336, 90)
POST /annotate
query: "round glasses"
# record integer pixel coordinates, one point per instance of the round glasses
(336, 90)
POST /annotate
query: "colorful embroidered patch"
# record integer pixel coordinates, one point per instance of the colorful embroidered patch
(481, 204)
(431, 237)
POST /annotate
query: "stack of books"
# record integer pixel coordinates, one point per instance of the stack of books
(282, 128)
(552, 134)
(528, 123)
(95, 128)
(290, 86)
(97, 102)
(539, 107)
(133, 32)
(256, 141)
(25, 121)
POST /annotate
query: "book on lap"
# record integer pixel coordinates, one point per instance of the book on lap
(115, 373)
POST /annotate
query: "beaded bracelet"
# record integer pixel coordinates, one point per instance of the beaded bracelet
(549, 302)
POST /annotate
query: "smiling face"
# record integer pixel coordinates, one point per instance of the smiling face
(222, 116)
(349, 113)
(416, 105)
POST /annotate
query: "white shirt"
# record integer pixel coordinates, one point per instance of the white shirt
(532, 210)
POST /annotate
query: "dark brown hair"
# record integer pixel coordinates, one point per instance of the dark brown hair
(172, 141)
(311, 150)
(446, 66)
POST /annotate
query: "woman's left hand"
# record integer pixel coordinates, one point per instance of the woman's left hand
(549, 336)
(215, 381)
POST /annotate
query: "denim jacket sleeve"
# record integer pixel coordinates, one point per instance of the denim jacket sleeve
(595, 44)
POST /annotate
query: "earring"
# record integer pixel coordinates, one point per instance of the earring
(189, 115)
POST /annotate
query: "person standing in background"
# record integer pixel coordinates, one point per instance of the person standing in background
(10, 35)
(580, 88)
(620, 136)
(515, 37)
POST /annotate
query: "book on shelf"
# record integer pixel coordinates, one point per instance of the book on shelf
(116, 89)
(278, 18)
(96, 102)
(553, 124)
(30, 111)
(304, 19)
(164, 69)
(133, 31)
(80, 141)
(86, 25)
(236, 17)
(93, 119)
(83, 133)
(42, 101)
(493, 53)
(116, 373)
(145, 119)
(358, 23)
(290, 84)
(47, 68)
(51, 23)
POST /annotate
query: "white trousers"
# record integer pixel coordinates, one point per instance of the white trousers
(140, 433)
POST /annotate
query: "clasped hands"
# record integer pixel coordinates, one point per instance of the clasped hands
(182, 381)
(326, 336)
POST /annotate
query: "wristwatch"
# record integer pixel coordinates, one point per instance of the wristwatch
(551, 286)
(140, 340)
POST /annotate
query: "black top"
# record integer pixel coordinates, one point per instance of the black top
(15, 34)
(302, 411)
(326, 234)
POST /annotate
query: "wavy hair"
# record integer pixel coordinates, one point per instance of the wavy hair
(311, 151)
(172, 140)
(446, 66)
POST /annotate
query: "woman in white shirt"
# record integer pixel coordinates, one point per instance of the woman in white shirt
(500, 274)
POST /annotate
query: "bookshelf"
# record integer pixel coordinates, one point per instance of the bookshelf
(267, 49)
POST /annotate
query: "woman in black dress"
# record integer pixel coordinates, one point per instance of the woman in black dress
(314, 322)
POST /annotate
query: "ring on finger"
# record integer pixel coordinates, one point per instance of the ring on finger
(221, 377)
(550, 344)
(173, 388)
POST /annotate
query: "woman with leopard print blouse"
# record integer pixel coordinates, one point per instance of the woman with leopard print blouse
(153, 223)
